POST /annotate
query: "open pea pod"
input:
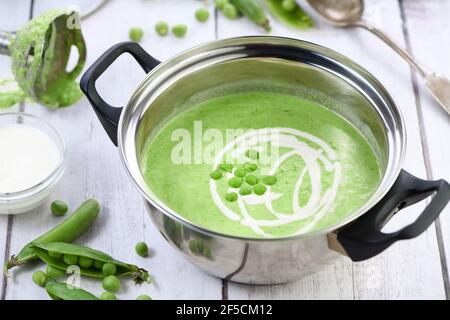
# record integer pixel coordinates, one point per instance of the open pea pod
(297, 18)
(60, 248)
(67, 231)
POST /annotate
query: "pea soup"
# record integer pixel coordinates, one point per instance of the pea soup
(260, 164)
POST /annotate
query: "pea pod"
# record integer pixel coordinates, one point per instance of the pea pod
(67, 231)
(60, 291)
(296, 18)
(254, 11)
(122, 269)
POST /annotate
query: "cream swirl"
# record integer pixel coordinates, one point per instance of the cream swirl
(317, 156)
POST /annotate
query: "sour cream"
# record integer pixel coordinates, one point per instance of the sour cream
(27, 157)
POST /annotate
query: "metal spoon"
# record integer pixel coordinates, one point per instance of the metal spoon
(348, 13)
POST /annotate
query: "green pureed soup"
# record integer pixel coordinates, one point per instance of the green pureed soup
(260, 164)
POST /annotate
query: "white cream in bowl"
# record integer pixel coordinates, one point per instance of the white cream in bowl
(32, 161)
(27, 157)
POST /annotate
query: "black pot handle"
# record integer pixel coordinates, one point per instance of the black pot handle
(363, 238)
(108, 115)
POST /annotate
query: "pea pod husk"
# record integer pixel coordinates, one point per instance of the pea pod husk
(67, 231)
(123, 269)
(254, 11)
(61, 291)
(297, 18)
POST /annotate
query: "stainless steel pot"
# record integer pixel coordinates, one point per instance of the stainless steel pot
(320, 74)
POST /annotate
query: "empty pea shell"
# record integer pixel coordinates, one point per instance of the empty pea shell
(61, 291)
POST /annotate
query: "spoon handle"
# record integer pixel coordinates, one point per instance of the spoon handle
(4, 42)
(439, 86)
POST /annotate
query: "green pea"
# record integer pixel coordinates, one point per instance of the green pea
(193, 246)
(250, 167)
(220, 4)
(144, 297)
(179, 30)
(289, 5)
(109, 269)
(216, 174)
(98, 265)
(86, 262)
(55, 255)
(260, 189)
(59, 208)
(108, 296)
(231, 197)
(251, 180)
(111, 284)
(136, 34)
(141, 249)
(40, 278)
(245, 190)
(202, 15)
(162, 28)
(252, 154)
(270, 180)
(240, 172)
(70, 260)
(207, 252)
(235, 182)
(54, 272)
(230, 11)
(226, 167)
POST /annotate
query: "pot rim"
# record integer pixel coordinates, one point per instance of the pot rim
(386, 182)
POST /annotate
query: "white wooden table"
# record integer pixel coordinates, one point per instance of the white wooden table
(408, 270)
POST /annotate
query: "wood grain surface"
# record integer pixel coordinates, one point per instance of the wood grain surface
(416, 269)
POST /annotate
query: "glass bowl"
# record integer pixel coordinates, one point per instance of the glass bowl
(29, 199)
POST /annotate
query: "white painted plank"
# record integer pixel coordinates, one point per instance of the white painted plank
(95, 170)
(334, 282)
(429, 27)
(12, 15)
(409, 269)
